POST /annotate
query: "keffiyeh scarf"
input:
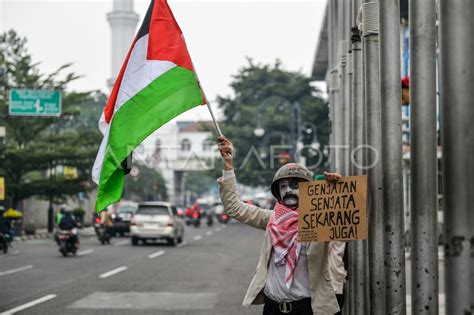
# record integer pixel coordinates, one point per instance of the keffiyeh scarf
(283, 228)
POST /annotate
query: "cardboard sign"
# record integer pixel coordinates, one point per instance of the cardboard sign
(333, 211)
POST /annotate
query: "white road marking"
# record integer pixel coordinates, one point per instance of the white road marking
(209, 233)
(217, 229)
(7, 272)
(157, 254)
(224, 226)
(120, 243)
(182, 244)
(29, 304)
(197, 237)
(85, 252)
(113, 272)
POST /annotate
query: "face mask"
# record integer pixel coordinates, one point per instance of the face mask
(289, 192)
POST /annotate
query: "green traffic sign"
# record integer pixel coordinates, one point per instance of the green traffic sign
(35, 103)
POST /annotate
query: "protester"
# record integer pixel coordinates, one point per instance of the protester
(291, 277)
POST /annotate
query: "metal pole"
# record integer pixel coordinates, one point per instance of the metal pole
(423, 158)
(330, 79)
(375, 173)
(358, 122)
(390, 92)
(457, 95)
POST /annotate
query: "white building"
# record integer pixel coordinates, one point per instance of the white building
(179, 147)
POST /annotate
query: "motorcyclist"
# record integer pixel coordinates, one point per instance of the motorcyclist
(68, 223)
(107, 221)
(59, 215)
(5, 228)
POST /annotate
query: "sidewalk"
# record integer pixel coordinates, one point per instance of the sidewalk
(43, 234)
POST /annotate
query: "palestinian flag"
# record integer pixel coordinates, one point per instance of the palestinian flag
(157, 82)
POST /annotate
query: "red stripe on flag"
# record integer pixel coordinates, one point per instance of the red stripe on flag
(109, 108)
(165, 41)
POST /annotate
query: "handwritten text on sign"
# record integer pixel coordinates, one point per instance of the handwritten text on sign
(333, 211)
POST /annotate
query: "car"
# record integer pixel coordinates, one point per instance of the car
(156, 220)
(122, 217)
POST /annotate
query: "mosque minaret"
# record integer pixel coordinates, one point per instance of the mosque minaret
(123, 22)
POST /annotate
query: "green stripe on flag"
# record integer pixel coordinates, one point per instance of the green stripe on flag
(166, 97)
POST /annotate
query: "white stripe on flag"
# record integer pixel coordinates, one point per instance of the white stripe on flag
(139, 73)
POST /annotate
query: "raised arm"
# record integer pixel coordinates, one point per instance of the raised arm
(233, 206)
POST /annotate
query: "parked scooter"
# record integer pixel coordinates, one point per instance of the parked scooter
(67, 241)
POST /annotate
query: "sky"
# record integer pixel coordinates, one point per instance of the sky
(219, 35)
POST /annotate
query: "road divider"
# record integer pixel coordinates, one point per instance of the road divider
(157, 254)
(197, 237)
(85, 252)
(8, 272)
(29, 304)
(113, 272)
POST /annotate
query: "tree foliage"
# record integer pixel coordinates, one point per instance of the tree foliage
(37, 148)
(148, 185)
(265, 96)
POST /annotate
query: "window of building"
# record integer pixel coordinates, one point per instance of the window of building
(185, 145)
(207, 145)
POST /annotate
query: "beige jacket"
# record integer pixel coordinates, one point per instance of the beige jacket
(323, 298)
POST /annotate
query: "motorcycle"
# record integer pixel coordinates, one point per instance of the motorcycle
(196, 219)
(67, 241)
(210, 219)
(101, 231)
(224, 218)
(5, 242)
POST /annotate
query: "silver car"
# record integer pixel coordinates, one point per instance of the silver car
(156, 220)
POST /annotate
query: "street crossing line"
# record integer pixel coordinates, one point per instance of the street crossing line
(156, 254)
(8, 272)
(197, 237)
(209, 233)
(30, 304)
(120, 243)
(113, 272)
(85, 252)
(217, 229)
(182, 244)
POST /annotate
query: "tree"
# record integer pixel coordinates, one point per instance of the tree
(148, 185)
(38, 148)
(265, 96)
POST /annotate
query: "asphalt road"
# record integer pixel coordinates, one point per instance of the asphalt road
(208, 275)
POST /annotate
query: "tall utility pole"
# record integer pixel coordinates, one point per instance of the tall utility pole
(370, 43)
(423, 158)
(457, 95)
(390, 93)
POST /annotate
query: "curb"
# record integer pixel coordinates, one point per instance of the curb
(36, 236)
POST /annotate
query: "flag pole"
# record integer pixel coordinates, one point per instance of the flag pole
(214, 119)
